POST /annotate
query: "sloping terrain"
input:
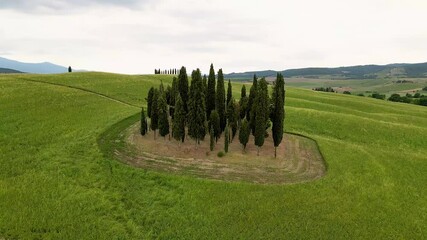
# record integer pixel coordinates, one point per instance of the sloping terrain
(353, 72)
(56, 182)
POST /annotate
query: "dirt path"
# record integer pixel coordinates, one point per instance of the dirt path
(299, 159)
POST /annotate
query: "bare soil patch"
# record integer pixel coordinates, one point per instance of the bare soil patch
(298, 158)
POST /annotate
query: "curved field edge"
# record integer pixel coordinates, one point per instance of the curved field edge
(56, 183)
(114, 144)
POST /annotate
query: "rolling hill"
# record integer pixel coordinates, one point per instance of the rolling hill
(44, 67)
(57, 181)
(353, 72)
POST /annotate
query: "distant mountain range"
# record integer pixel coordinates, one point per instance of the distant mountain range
(417, 70)
(44, 67)
(8, 70)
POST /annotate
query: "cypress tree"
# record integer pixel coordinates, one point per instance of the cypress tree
(155, 112)
(278, 113)
(229, 92)
(251, 113)
(163, 116)
(196, 108)
(183, 87)
(243, 103)
(212, 139)
(210, 92)
(149, 101)
(232, 117)
(244, 133)
(174, 94)
(168, 93)
(252, 95)
(220, 100)
(215, 124)
(179, 120)
(205, 86)
(143, 122)
(226, 139)
(161, 88)
(243, 92)
(261, 113)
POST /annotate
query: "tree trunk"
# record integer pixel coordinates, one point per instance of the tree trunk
(275, 152)
(257, 149)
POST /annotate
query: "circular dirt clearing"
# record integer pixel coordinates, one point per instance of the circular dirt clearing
(298, 158)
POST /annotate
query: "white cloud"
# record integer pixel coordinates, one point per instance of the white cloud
(137, 36)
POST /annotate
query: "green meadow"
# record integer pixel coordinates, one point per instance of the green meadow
(57, 182)
(386, 86)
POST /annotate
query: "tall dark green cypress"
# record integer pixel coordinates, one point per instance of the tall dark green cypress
(243, 102)
(243, 91)
(174, 93)
(244, 133)
(196, 108)
(161, 88)
(168, 94)
(251, 113)
(143, 122)
(178, 123)
(232, 117)
(278, 113)
(220, 100)
(214, 123)
(163, 116)
(229, 92)
(205, 86)
(149, 101)
(154, 124)
(211, 139)
(252, 95)
(210, 92)
(183, 87)
(261, 113)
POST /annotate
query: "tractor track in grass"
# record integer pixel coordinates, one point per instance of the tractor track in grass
(81, 89)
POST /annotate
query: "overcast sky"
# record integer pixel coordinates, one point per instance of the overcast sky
(136, 36)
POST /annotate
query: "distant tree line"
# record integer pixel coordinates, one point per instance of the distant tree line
(377, 95)
(205, 107)
(172, 71)
(417, 98)
(323, 89)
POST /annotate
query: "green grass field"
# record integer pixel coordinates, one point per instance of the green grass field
(56, 183)
(386, 86)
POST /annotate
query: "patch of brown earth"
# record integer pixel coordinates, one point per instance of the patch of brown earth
(298, 158)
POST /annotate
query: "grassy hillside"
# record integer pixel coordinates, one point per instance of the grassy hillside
(382, 85)
(56, 183)
(352, 72)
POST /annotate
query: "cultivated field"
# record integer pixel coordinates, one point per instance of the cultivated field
(386, 86)
(59, 179)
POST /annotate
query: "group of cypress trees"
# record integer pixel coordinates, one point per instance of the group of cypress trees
(172, 71)
(203, 107)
